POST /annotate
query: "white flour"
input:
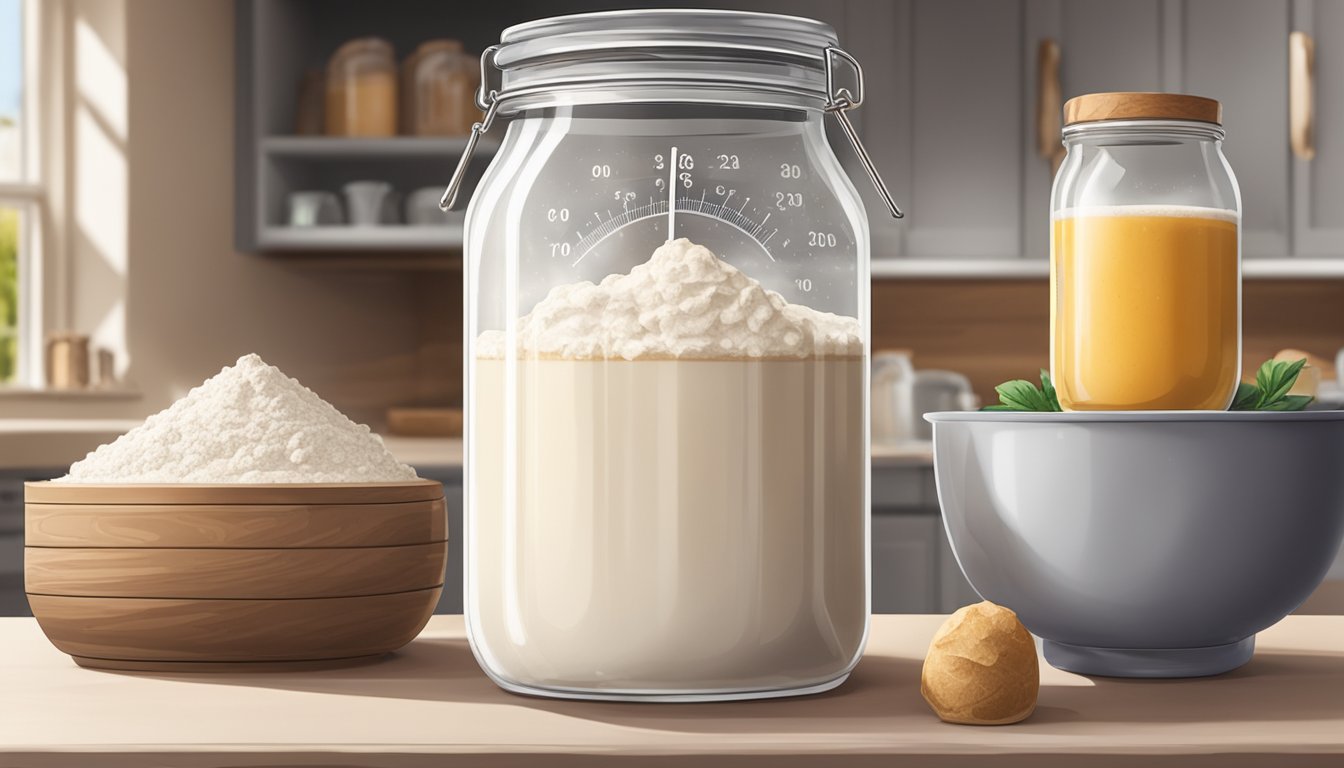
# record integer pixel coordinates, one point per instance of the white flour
(683, 303)
(249, 424)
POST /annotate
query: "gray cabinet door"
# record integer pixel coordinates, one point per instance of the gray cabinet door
(954, 591)
(13, 601)
(905, 563)
(878, 35)
(1103, 46)
(965, 81)
(1318, 184)
(1236, 51)
(451, 599)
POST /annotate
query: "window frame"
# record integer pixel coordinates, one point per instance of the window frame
(30, 195)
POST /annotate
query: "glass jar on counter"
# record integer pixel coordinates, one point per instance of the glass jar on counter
(1145, 255)
(667, 360)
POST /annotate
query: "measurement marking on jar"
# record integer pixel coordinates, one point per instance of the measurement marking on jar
(683, 205)
(672, 196)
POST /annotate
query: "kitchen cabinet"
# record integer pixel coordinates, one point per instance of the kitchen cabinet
(952, 76)
(953, 117)
(905, 563)
(913, 567)
(277, 43)
(1236, 51)
(451, 601)
(954, 590)
(1318, 182)
(12, 599)
(965, 175)
(1102, 46)
(451, 477)
(1171, 45)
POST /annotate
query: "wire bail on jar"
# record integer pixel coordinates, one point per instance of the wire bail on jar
(839, 100)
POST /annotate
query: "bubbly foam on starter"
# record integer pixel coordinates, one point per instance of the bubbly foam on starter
(683, 303)
(1173, 211)
(249, 424)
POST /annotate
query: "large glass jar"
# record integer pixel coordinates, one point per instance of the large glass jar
(1145, 255)
(667, 358)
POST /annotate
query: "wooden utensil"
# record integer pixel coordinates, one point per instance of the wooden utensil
(231, 577)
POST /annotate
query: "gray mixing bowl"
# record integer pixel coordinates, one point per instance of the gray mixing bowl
(1143, 544)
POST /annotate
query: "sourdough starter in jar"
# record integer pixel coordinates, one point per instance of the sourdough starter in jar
(677, 497)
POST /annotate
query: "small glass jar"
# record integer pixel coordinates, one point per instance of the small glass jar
(362, 89)
(438, 86)
(666, 331)
(1145, 256)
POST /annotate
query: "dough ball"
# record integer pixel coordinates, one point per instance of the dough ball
(981, 668)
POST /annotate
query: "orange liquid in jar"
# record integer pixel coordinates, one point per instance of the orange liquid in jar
(1146, 308)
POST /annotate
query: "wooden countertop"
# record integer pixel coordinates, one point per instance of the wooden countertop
(447, 452)
(56, 443)
(431, 705)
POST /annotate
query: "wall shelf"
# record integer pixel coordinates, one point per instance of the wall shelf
(276, 44)
(353, 238)
(336, 148)
(964, 269)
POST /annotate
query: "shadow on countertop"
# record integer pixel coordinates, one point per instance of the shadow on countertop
(881, 692)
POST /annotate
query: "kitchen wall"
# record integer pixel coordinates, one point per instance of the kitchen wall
(992, 330)
(168, 281)
(366, 338)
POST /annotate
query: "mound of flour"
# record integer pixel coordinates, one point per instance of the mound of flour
(684, 302)
(249, 424)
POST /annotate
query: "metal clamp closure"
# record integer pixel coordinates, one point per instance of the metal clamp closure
(839, 101)
(487, 98)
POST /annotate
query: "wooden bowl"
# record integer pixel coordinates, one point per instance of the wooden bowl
(233, 577)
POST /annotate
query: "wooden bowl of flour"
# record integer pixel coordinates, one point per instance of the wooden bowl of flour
(233, 577)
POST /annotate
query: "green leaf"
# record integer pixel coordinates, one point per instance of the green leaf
(1048, 390)
(1285, 375)
(1248, 395)
(1289, 403)
(1022, 395)
(1269, 392)
(1264, 378)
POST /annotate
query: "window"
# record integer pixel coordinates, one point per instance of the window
(21, 192)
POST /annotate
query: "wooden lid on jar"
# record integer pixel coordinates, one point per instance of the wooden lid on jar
(1095, 107)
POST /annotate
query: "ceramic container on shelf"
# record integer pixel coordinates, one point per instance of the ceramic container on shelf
(313, 208)
(901, 395)
(1143, 544)
(370, 203)
(67, 360)
(233, 577)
